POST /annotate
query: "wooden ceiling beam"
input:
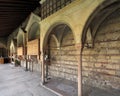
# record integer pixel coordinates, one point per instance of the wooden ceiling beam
(13, 13)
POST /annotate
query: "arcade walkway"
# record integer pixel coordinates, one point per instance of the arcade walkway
(14, 81)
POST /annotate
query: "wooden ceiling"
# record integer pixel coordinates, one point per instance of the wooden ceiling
(13, 13)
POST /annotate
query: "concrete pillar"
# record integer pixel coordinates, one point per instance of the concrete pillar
(79, 58)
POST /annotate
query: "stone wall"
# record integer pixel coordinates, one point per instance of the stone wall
(101, 64)
(63, 61)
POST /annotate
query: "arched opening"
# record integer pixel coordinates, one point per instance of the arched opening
(33, 47)
(60, 58)
(100, 53)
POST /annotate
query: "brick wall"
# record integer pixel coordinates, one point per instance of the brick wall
(63, 61)
(101, 64)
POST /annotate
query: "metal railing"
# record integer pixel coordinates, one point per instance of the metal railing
(51, 6)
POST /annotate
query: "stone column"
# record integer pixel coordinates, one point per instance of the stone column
(26, 50)
(43, 67)
(25, 47)
(39, 52)
(15, 47)
(79, 58)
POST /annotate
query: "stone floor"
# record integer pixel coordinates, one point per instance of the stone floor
(62, 86)
(69, 88)
(14, 81)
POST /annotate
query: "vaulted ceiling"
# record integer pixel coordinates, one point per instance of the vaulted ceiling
(13, 13)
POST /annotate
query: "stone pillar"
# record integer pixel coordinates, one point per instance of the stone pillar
(15, 47)
(25, 48)
(43, 67)
(26, 51)
(39, 52)
(79, 58)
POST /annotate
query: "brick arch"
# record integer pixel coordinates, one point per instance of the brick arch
(92, 15)
(61, 20)
(98, 61)
(50, 28)
(63, 51)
